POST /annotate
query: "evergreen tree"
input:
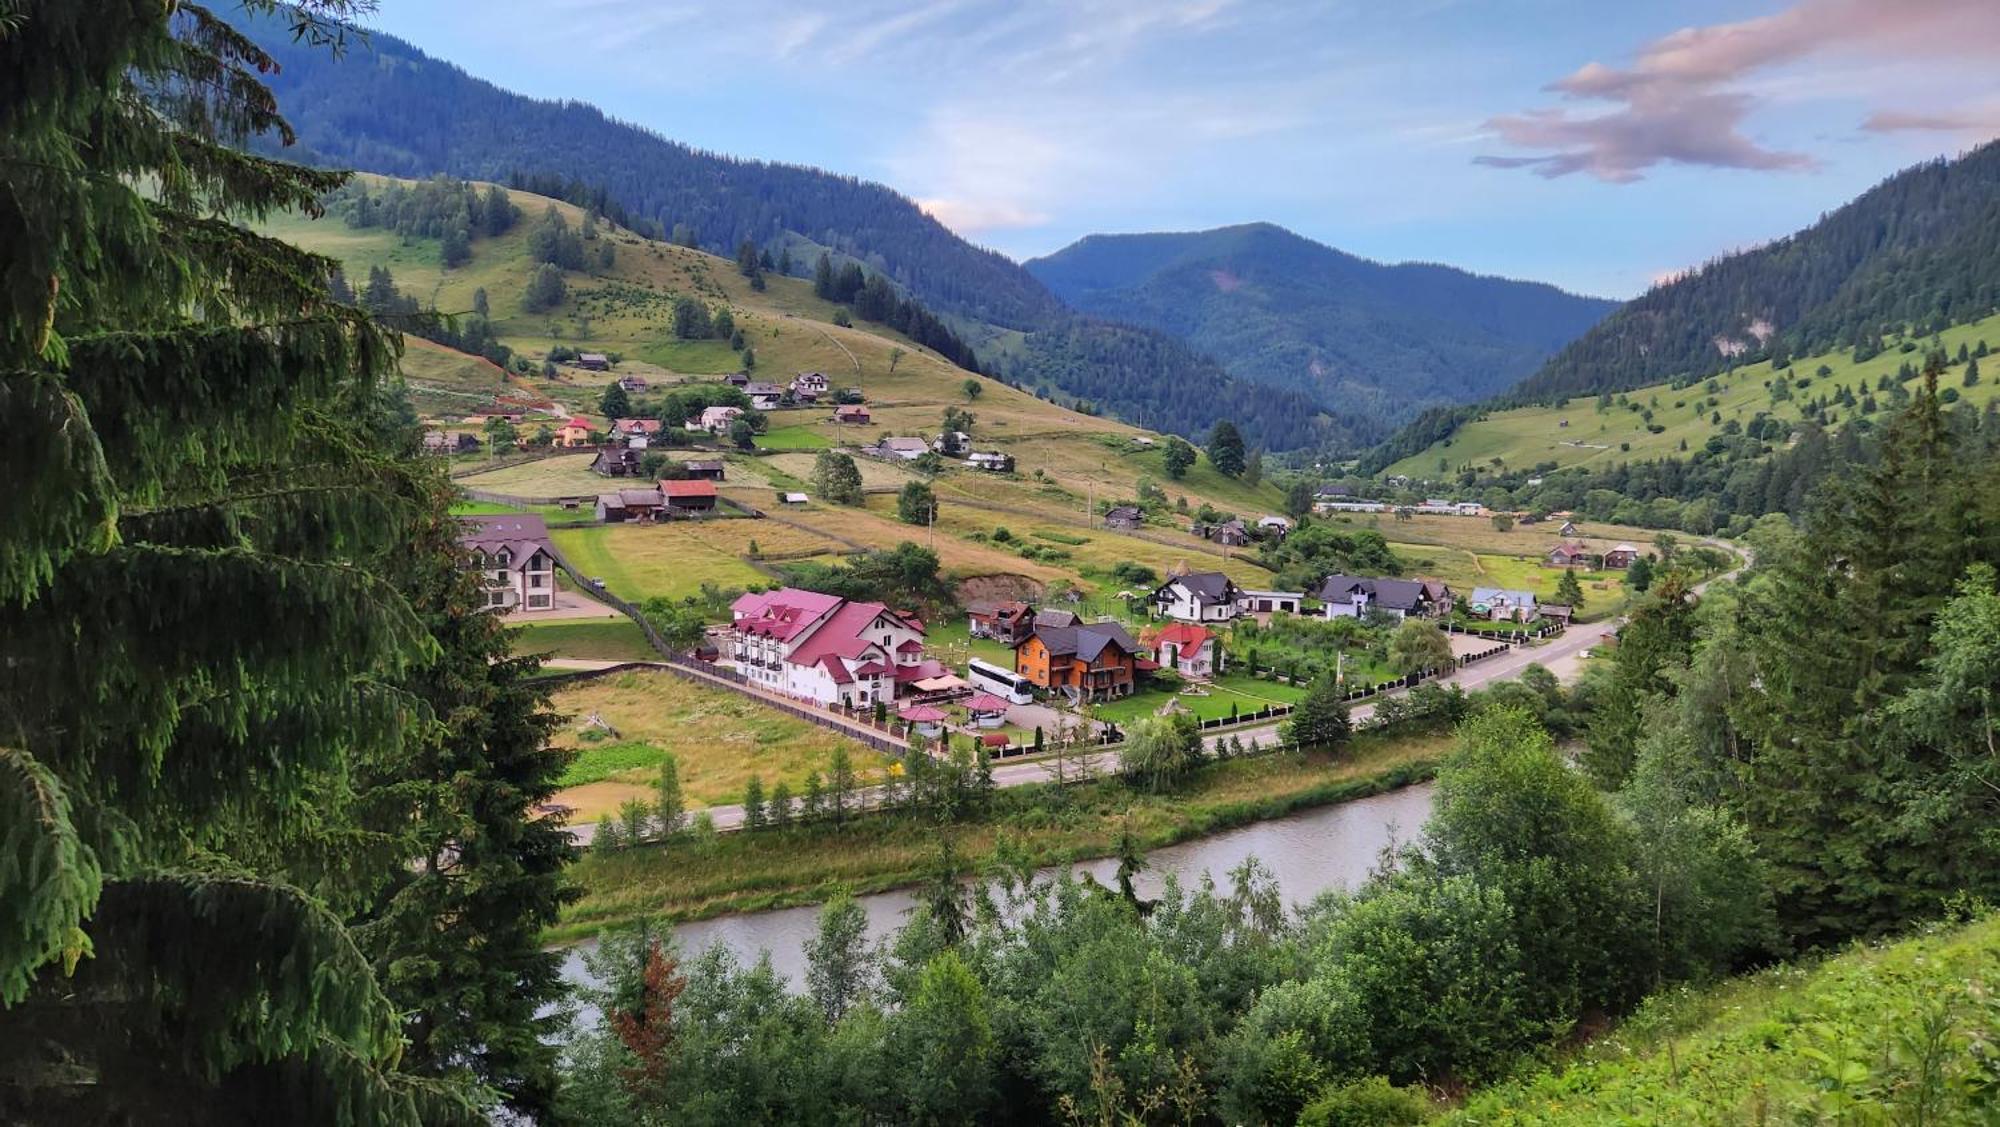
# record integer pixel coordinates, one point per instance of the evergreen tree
(193, 466)
(545, 289)
(479, 302)
(614, 404)
(1225, 448)
(753, 803)
(916, 503)
(669, 806)
(823, 277)
(1569, 592)
(456, 248)
(1320, 720)
(1639, 576)
(1180, 457)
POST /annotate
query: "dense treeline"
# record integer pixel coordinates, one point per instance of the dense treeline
(392, 109)
(873, 298)
(1434, 424)
(1380, 341)
(441, 208)
(1921, 249)
(1153, 381)
(266, 773)
(384, 300)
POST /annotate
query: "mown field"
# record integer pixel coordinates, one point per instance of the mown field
(674, 560)
(1528, 436)
(610, 639)
(717, 738)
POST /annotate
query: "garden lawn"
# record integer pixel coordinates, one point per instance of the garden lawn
(952, 643)
(718, 738)
(641, 561)
(1246, 693)
(609, 639)
(796, 436)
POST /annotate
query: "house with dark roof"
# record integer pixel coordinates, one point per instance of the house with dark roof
(1230, 533)
(737, 379)
(514, 558)
(1007, 622)
(1355, 596)
(810, 385)
(1570, 553)
(853, 414)
(623, 505)
(764, 396)
(1082, 661)
(1201, 596)
(704, 469)
(825, 648)
(1127, 517)
(616, 461)
(1621, 557)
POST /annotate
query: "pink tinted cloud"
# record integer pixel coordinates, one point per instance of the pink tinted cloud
(1673, 104)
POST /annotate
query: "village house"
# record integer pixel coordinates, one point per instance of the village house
(1230, 534)
(438, 442)
(737, 379)
(764, 396)
(629, 505)
(1081, 661)
(1127, 517)
(904, 449)
(575, 432)
(1503, 605)
(616, 461)
(1436, 507)
(688, 498)
(1189, 650)
(594, 362)
(1570, 553)
(1568, 529)
(1201, 596)
(825, 648)
(990, 461)
(514, 558)
(952, 443)
(810, 385)
(1621, 557)
(1009, 623)
(704, 469)
(1271, 525)
(714, 420)
(1354, 596)
(853, 414)
(1350, 506)
(632, 428)
(633, 383)
(1270, 602)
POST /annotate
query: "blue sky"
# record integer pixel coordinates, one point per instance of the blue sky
(1597, 145)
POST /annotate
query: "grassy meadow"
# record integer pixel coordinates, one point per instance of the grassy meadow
(1528, 436)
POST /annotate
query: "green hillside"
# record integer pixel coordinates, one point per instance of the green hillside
(1585, 431)
(1895, 1034)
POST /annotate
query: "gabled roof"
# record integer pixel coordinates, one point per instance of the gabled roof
(1491, 595)
(1086, 642)
(520, 536)
(841, 635)
(900, 444)
(1389, 594)
(702, 464)
(782, 613)
(636, 426)
(632, 498)
(577, 421)
(1205, 586)
(687, 490)
(1184, 636)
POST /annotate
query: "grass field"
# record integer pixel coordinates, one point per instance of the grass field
(794, 436)
(565, 475)
(1529, 436)
(609, 639)
(1246, 694)
(748, 872)
(875, 473)
(718, 739)
(641, 561)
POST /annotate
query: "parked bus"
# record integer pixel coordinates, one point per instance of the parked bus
(1003, 683)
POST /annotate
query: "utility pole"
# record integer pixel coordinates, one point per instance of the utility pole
(930, 528)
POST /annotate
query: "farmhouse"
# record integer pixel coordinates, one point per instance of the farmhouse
(1353, 596)
(1125, 516)
(575, 432)
(1569, 553)
(1274, 525)
(1189, 650)
(991, 461)
(633, 428)
(629, 504)
(514, 558)
(764, 396)
(853, 414)
(438, 442)
(827, 649)
(714, 420)
(1270, 602)
(952, 443)
(737, 379)
(1621, 556)
(1084, 661)
(1009, 622)
(1202, 596)
(633, 383)
(903, 449)
(810, 385)
(594, 362)
(1502, 605)
(704, 469)
(1229, 533)
(616, 461)
(688, 498)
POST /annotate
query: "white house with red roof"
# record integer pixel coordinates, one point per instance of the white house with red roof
(827, 649)
(1188, 649)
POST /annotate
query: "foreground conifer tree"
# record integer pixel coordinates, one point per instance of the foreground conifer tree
(214, 645)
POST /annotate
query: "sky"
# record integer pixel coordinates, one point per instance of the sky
(1601, 145)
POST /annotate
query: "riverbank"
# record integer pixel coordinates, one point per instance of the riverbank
(747, 872)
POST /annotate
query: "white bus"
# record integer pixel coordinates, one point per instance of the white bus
(1003, 683)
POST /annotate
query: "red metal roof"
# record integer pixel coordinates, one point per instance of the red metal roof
(697, 487)
(1183, 635)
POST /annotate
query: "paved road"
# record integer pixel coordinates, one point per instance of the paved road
(1102, 762)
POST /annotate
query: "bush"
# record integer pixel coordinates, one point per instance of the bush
(1373, 1102)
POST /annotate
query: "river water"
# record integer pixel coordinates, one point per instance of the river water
(1329, 847)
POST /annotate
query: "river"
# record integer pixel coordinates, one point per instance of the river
(1311, 852)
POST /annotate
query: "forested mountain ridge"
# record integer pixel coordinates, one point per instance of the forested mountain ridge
(1377, 340)
(1921, 249)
